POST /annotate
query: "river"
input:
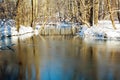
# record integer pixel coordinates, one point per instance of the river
(59, 58)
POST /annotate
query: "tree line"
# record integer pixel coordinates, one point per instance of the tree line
(28, 12)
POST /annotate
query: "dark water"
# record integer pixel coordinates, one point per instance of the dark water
(59, 58)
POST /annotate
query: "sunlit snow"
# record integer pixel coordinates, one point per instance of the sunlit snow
(103, 30)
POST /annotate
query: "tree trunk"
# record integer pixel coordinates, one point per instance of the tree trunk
(118, 13)
(111, 14)
(83, 10)
(24, 13)
(105, 8)
(101, 9)
(70, 10)
(96, 11)
(18, 20)
(91, 12)
(34, 11)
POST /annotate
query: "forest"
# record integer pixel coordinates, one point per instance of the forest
(84, 11)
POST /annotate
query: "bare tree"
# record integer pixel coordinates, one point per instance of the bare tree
(84, 11)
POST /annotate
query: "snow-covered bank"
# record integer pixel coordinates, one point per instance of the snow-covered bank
(9, 34)
(103, 30)
(7, 28)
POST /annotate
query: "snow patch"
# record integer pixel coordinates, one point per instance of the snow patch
(25, 36)
(63, 25)
(7, 28)
(103, 30)
(24, 30)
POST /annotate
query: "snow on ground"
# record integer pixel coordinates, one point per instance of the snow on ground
(63, 25)
(7, 28)
(36, 31)
(24, 30)
(103, 30)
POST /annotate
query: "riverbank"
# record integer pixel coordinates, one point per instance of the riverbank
(7, 28)
(61, 29)
(103, 30)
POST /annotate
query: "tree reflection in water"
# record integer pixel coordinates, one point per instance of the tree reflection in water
(6, 43)
(57, 58)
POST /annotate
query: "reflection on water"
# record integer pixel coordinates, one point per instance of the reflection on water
(58, 58)
(6, 43)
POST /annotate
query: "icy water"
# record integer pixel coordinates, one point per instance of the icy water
(59, 58)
